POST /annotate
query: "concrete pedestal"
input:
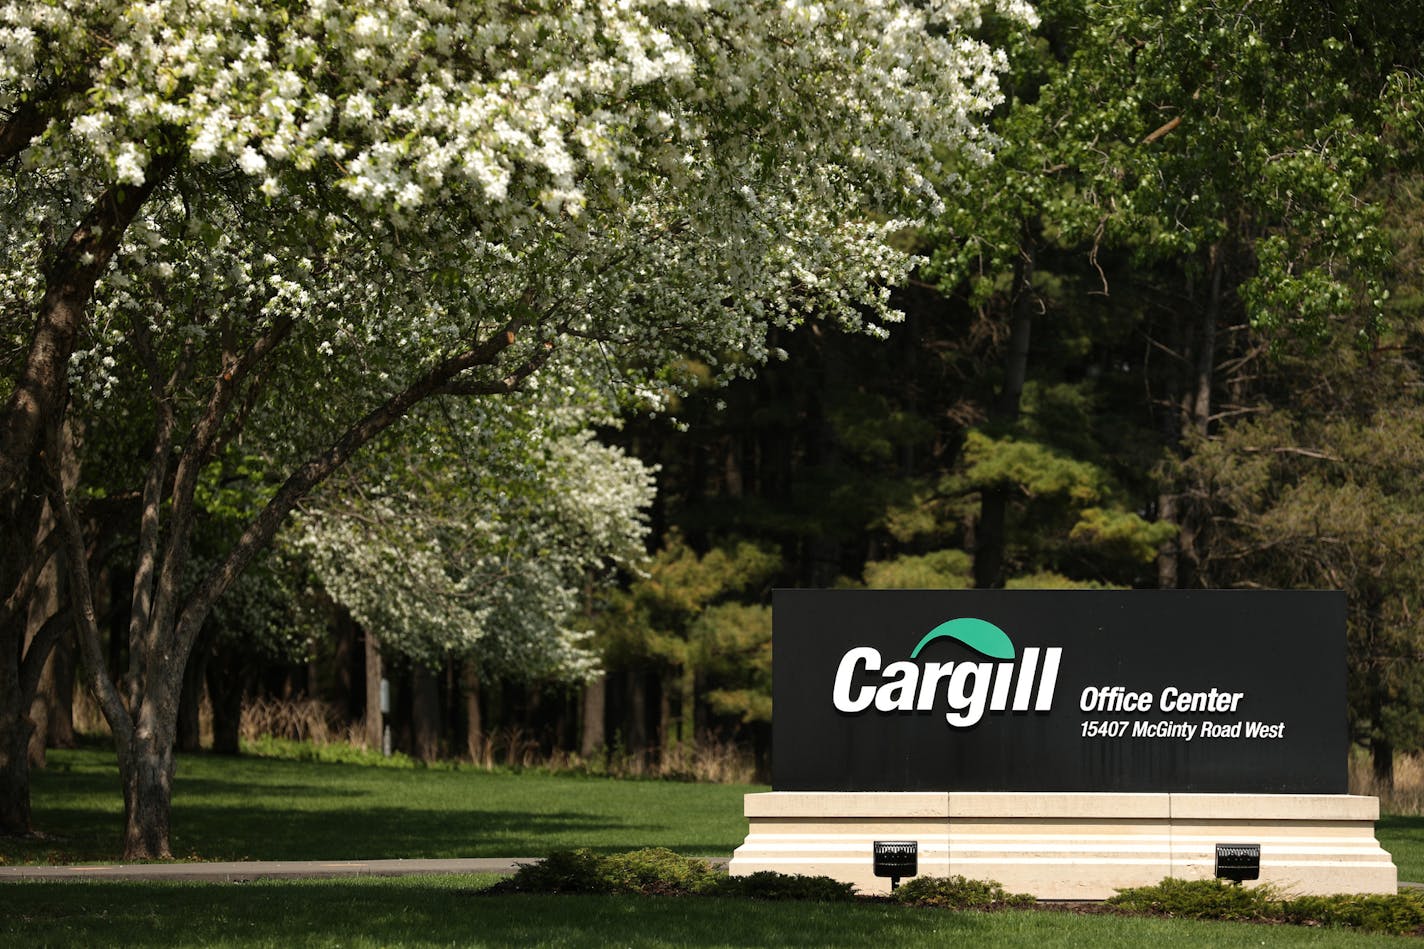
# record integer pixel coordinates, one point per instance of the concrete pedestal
(1070, 846)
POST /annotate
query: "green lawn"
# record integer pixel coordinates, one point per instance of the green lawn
(445, 911)
(268, 809)
(1403, 836)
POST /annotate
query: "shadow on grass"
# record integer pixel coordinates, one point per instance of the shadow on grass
(435, 913)
(248, 808)
(267, 833)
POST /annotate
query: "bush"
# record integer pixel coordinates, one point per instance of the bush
(770, 885)
(563, 871)
(957, 892)
(1200, 899)
(1399, 913)
(657, 871)
(654, 871)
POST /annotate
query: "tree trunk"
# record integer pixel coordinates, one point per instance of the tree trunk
(15, 728)
(425, 712)
(59, 685)
(191, 701)
(474, 722)
(665, 734)
(990, 537)
(20, 519)
(594, 739)
(146, 770)
(1382, 763)
(687, 701)
(637, 714)
(44, 603)
(1169, 558)
(225, 687)
(375, 720)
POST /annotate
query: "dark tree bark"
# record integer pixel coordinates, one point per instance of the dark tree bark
(474, 718)
(15, 728)
(58, 682)
(637, 714)
(375, 720)
(425, 713)
(593, 739)
(190, 701)
(990, 533)
(44, 604)
(226, 677)
(1178, 565)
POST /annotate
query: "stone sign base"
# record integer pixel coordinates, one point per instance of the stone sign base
(1070, 846)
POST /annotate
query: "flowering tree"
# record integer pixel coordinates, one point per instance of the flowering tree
(300, 220)
(484, 544)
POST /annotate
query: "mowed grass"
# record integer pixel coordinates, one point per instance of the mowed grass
(270, 809)
(251, 808)
(1403, 836)
(446, 911)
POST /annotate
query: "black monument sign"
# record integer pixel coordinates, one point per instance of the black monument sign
(993, 690)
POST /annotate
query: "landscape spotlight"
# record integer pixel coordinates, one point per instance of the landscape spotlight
(1237, 862)
(896, 859)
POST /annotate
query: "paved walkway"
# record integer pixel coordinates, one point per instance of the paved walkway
(271, 869)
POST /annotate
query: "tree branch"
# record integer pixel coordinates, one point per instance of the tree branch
(87, 626)
(299, 483)
(39, 393)
(25, 586)
(20, 129)
(196, 455)
(150, 517)
(32, 666)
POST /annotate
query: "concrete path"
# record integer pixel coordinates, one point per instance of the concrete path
(271, 869)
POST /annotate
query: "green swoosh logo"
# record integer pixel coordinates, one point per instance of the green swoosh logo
(979, 635)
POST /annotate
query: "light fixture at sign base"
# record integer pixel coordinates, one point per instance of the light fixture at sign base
(1237, 862)
(896, 859)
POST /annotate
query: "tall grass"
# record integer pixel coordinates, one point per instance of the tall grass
(268, 723)
(1406, 797)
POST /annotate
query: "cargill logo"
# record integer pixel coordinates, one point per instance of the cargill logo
(969, 688)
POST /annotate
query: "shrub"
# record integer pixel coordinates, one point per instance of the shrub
(563, 871)
(1398, 913)
(770, 885)
(657, 871)
(957, 892)
(1200, 899)
(654, 871)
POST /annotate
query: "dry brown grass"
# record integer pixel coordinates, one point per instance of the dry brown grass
(1407, 795)
(710, 759)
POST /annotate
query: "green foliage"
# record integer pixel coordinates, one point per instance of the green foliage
(1125, 533)
(959, 893)
(1398, 913)
(689, 618)
(657, 871)
(1200, 899)
(654, 871)
(287, 749)
(769, 885)
(1029, 467)
(937, 570)
(1047, 580)
(563, 871)
(734, 646)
